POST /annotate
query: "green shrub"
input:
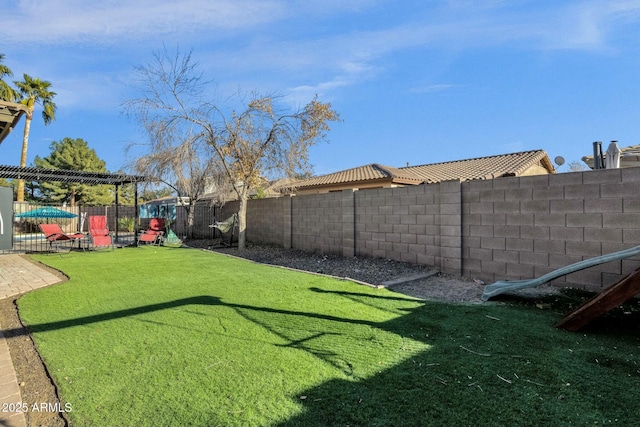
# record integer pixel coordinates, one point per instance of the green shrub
(126, 224)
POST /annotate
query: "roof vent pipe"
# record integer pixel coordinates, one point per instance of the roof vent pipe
(597, 155)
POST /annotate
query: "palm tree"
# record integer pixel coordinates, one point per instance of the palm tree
(33, 91)
(6, 92)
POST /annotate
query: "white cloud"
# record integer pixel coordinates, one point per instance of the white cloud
(115, 21)
(300, 95)
(92, 91)
(348, 57)
(78, 21)
(266, 39)
(432, 88)
(580, 25)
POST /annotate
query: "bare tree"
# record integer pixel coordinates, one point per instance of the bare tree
(577, 166)
(181, 159)
(261, 140)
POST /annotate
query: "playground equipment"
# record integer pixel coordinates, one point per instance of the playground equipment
(503, 286)
(615, 295)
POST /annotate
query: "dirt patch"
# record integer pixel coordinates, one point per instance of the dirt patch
(374, 271)
(35, 385)
(443, 288)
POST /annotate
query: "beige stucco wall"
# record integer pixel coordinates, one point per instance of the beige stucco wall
(536, 170)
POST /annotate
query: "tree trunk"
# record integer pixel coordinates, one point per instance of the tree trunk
(191, 219)
(23, 157)
(242, 222)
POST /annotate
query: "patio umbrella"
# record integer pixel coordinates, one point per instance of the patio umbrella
(46, 212)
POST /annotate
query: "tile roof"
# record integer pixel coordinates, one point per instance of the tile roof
(513, 164)
(367, 173)
(629, 157)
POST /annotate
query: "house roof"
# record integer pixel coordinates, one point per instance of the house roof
(368, 173)
(629, 157)
(10, 114)
(513, 164)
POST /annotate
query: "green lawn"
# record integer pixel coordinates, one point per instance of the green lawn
(180, 337)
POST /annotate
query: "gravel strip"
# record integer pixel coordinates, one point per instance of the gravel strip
(373, 271)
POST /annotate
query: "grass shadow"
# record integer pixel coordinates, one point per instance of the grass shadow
(479, 370)
(623, 320)
(419, 363)
(197, 300)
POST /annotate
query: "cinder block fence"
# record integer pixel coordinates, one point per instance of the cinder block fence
(505, 228)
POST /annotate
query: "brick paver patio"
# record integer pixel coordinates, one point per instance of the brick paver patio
(17, 276)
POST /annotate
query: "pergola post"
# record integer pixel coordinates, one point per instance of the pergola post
(136, 227)
(117, 213)
(84, 177)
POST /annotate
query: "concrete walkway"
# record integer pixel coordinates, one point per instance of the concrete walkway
(17, 276)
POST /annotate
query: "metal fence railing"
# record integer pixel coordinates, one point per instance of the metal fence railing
(28, 238)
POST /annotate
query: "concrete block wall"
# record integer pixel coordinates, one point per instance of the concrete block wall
(405, 224)
(317, 222)
(502, 229)
(519, 228)
(451, 220)
(266, 218)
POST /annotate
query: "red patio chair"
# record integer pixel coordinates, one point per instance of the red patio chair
(99, 232)
(155, 233)
(55, 235)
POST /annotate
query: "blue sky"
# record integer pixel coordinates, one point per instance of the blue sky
(415, 81)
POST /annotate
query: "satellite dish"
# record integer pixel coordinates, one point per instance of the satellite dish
(559, 160)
